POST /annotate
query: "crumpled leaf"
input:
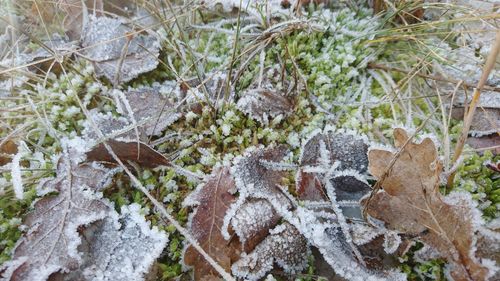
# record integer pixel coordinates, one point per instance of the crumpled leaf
(411, 203)
(284, 246)
(116, 52)
(51, 241)
(138, 152)
(255, 180)
(121, 247)
(212, 200)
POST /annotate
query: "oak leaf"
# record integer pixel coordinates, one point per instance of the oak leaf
(212, 200)
(411, 203)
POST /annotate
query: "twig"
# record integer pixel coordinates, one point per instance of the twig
(488, 67)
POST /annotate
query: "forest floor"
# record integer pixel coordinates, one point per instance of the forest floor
(249, 140)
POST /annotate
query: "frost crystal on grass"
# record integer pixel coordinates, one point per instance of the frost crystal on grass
(285, 246)
(116, 52)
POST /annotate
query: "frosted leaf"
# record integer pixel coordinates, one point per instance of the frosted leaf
(252, 222)
(212, 199)
(285, 247)
(51, 242)
(263, 104)
(332, 244)
(109, 125)
(121, 248)
(255, 180)
(153, 110)
(105, 41)
(347, 148)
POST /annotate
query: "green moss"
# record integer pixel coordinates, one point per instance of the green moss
(475, 177)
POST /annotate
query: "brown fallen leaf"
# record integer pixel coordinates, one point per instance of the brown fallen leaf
(411, 203)
(212, 200)
(140, 153)
(51, 240)
(7, 151)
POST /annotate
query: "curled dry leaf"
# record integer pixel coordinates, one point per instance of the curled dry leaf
(212, 200)
(121, 247)
(284, 246)
(51, 241)
(117, 51)
(133, 151)
(411, 203)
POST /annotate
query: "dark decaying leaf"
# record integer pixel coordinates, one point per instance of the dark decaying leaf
(212, 200)
(133, 151)
(252, 222)
(51, 240)
(121, 247)
(309, 187)
(347, 183)
(284, 246)
(117, 51)
(411, 203)
(347, 148)
(255, 180)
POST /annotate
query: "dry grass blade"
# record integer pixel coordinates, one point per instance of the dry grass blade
(488, 67)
